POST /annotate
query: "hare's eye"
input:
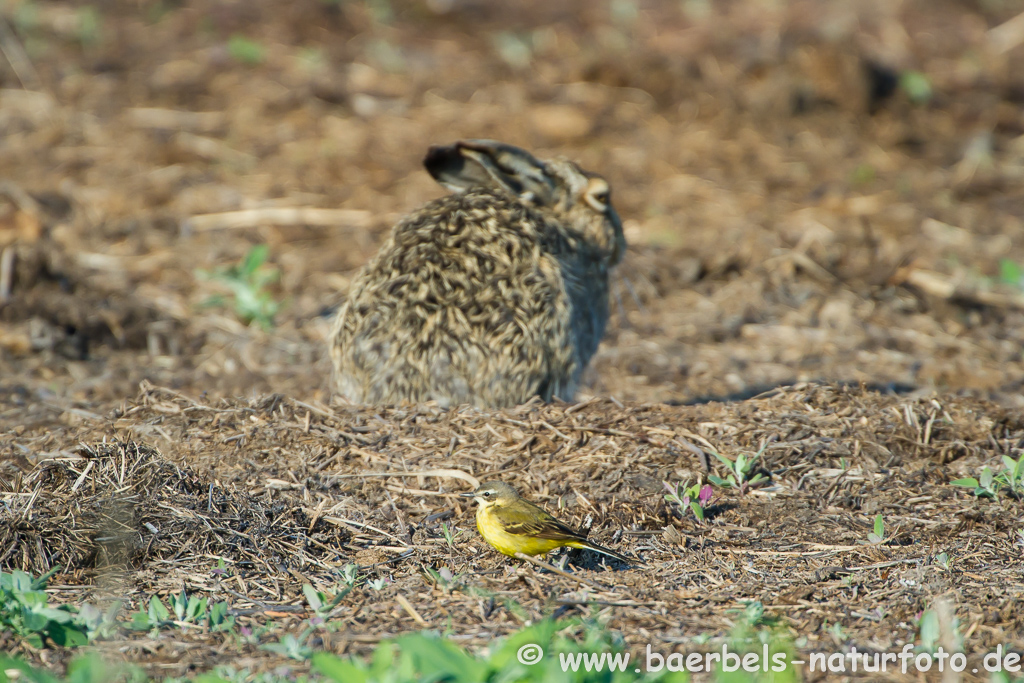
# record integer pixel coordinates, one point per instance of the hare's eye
(598, 195)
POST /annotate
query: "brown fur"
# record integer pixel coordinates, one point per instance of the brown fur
(488, 296)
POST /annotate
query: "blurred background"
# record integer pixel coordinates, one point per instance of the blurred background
(811, 190)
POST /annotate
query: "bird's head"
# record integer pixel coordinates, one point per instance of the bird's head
(493, 493)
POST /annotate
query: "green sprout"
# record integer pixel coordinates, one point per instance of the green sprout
(247, 282)
(246, 50)
(878, 534)
(917, 86)
(990, 483)
(695, 497)
(739, 471)
(451, 536)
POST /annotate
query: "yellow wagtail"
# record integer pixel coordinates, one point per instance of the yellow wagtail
(512, 524)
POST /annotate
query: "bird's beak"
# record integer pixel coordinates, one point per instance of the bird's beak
(467, 495)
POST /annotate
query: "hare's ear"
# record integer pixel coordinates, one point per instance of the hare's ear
(488, 164)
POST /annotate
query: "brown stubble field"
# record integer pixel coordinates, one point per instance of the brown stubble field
(812, 269)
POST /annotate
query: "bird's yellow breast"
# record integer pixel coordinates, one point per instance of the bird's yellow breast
(491, 529)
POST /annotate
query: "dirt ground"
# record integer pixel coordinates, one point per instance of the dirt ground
(824, 204)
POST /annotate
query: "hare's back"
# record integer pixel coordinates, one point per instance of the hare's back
(465, 304)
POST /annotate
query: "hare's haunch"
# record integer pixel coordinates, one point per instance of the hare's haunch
(489, 296)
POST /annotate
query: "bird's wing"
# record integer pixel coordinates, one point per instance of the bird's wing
(537, 523)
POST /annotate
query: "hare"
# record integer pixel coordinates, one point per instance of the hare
(488, 296)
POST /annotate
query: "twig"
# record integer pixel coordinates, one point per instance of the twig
(284, 215)
(171, 119)
(407, 606)
(454, 474)
(6, 272)
(705, 462)
(17, 58)
(418, 492)
(360, 525)
(937, 285)
(1007, 35)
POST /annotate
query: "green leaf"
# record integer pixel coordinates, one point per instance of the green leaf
(157, 611)
(879, 526)
(67, 636)
(383, 659)
(541, 633)
(40, 583)
(929, 629)
(245, 50)
(196, 609)
(969, 482)
(312, 597)
(722, 459)
(140, 622)
(179, 602)
(22, 582)
(339, 670)
(442, 658)
(219, 619)
(986, 478)
(25, 672)
(1014, 467)
(917, 86)
(1010, 273)
(256, 257)
(717, 481)
(698, 511)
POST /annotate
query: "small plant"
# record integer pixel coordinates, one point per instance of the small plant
(1013, 476)
(739, 471)
(322, 605)
(153, 618)
(695, 497)
(187, 610)
(917, 86)
(1011, 273)
(929, 630)
(531, 655)
(219, 619)
(514, 49)
(245, 50)
(349, 574)
(88, 27)
(990, 483)
(451, 536)
(878, 534)
(444, 579)
(379, 583)
(764, 634)
(247, 282)
(90, 668)
(26, 612)
(296, 648)
(864, 174)
(942, 559)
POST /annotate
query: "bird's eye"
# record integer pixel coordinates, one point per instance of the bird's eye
(486, 494)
